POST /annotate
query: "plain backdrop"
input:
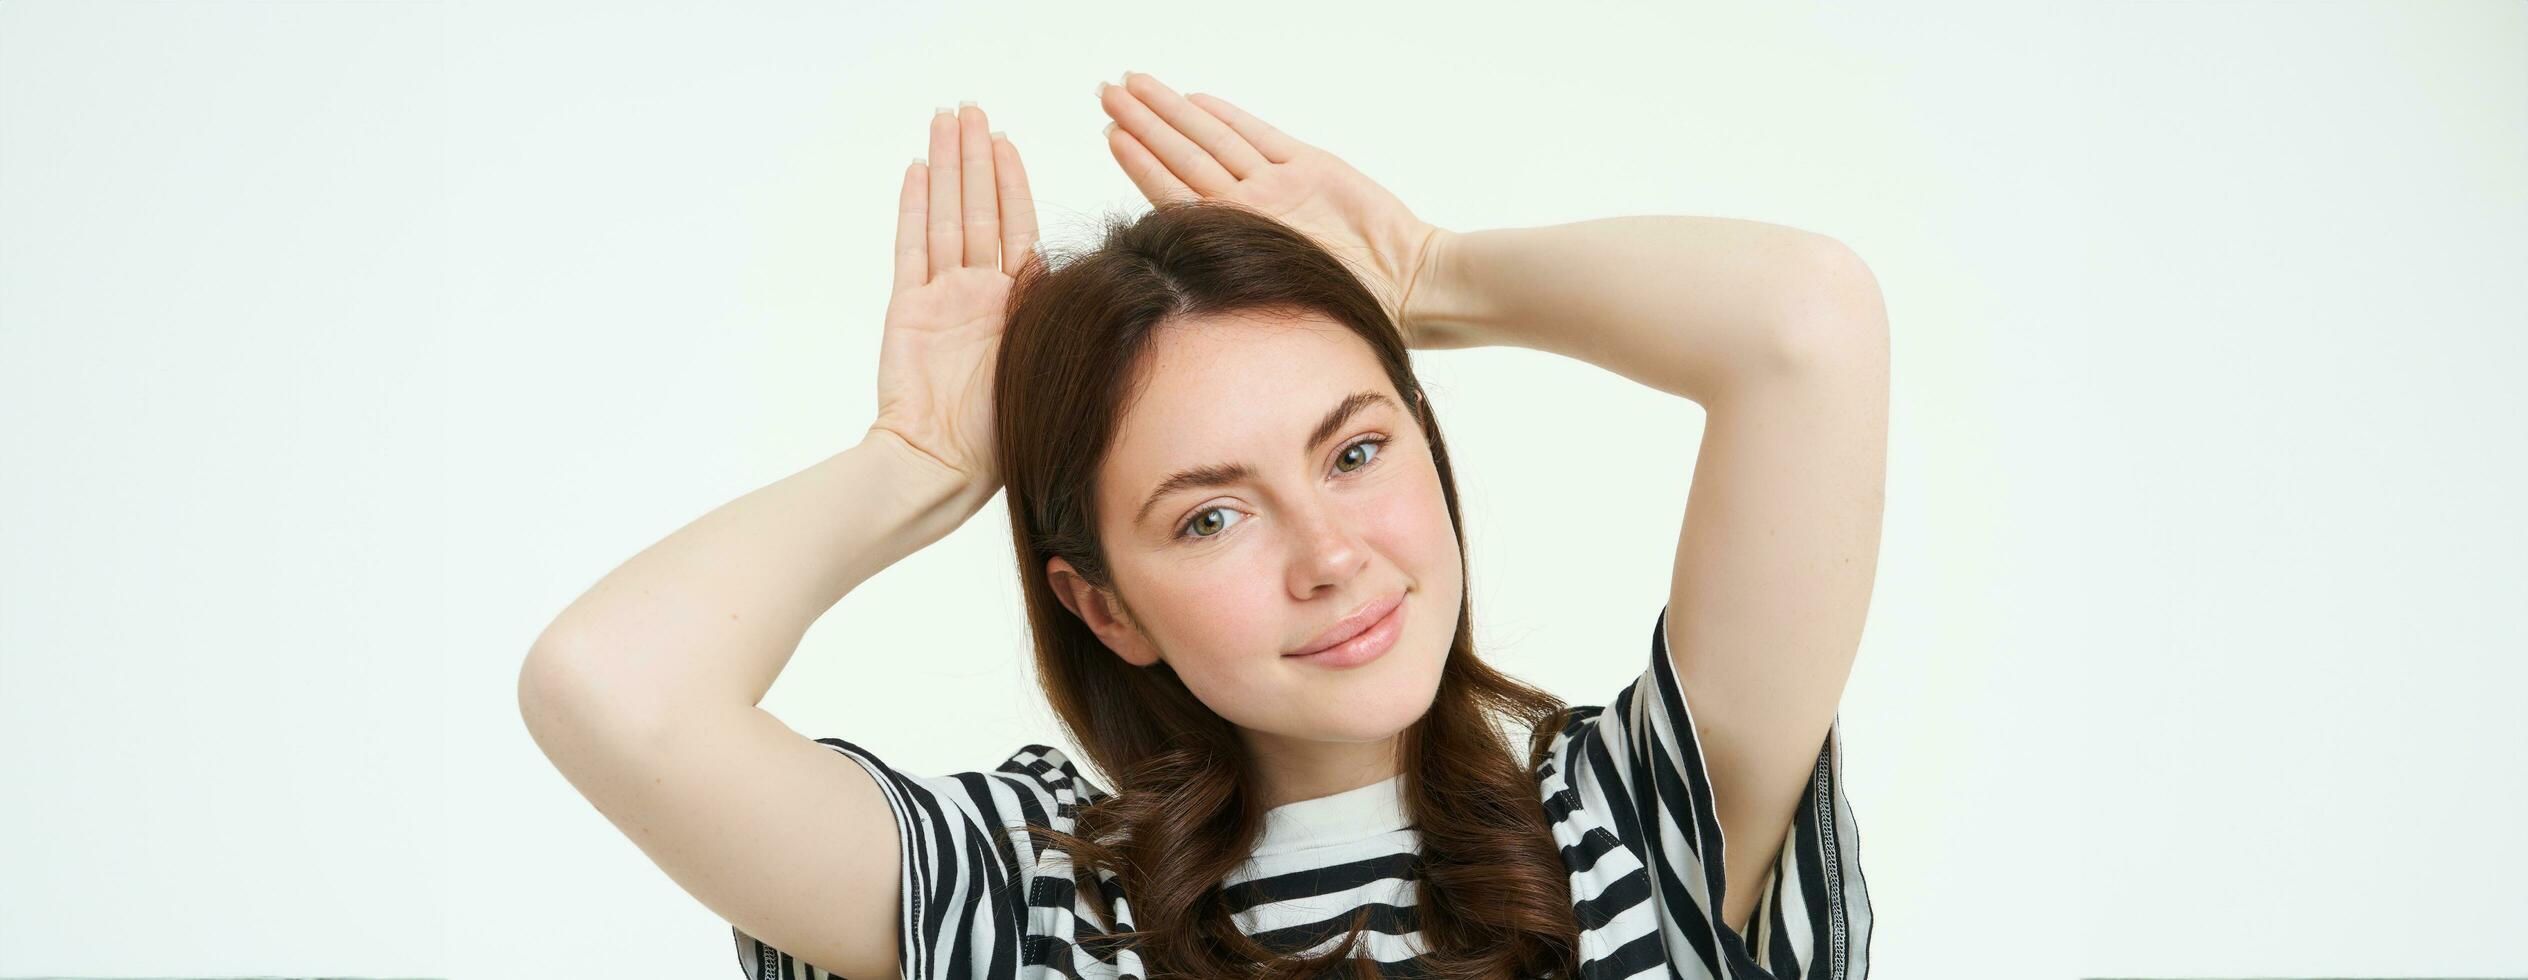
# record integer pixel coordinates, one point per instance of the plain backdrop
(343, 344)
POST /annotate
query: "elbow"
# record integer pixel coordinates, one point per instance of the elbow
(1835, 314)
(572, 717)
(577, 690)
(542, 679)
(559, 687)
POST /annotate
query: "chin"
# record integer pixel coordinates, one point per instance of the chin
(1379, 707)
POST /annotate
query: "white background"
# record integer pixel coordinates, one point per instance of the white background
(342, 345)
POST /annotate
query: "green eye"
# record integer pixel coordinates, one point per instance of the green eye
(1200, 520)
(1365, 447)
(1212, 522)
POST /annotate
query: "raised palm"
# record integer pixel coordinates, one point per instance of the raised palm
(1201, 147)
(965, 225)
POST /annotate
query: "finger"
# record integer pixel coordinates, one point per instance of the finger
(1224, 144)
(912, 208)
(1146, 171)
(947, 238)
(1018, 206)
(982, 212)
(1272, 143)
(1192, 165)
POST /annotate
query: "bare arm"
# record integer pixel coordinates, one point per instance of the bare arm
(708, 617)
(646, 691)
(643, 694)
(1781, 336)
(1683, 304)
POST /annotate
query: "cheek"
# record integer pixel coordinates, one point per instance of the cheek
(1216, 619)
(1223, 653)
(1413, 527)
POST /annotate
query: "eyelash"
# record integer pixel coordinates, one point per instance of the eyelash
(1184, 532)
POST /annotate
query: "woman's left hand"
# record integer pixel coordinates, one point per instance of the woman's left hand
(1177, 147)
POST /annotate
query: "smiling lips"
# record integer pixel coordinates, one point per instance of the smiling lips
(1359, 637)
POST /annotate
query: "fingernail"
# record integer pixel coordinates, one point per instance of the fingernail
(1125, 78)
(1101, 89)
(918, 162)
(999, 135)
(962, 105)
(940, 110)
(1109, 130)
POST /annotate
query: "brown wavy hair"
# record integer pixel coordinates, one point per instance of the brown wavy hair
(1493, 894)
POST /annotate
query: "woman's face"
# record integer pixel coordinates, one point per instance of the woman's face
(1339, 510)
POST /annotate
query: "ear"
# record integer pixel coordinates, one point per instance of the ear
(1102, 611)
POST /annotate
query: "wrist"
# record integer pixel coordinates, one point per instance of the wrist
(936, 497)
(1430, 314)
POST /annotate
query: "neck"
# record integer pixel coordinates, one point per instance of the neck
(1295, 769)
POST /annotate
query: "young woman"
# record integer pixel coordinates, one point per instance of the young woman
(1237, 533)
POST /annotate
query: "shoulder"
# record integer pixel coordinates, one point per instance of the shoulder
(1047, 770)
(1585, 732)
(1037, 784)
(1603, 755)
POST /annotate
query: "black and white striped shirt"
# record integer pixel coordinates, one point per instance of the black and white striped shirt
(1624, 786)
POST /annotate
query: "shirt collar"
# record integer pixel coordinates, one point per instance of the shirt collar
(1350, 815)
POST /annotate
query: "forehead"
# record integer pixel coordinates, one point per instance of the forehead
(1234, 388)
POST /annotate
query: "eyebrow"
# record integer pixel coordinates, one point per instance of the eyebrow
(1218, 474)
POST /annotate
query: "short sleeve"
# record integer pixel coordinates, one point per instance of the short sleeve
(965, 864)
(1637, 767)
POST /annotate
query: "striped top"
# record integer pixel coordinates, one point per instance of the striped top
(1623, 785)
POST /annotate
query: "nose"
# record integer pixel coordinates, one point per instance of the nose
(1326, 551)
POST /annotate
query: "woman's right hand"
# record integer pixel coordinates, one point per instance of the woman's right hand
(965, 225)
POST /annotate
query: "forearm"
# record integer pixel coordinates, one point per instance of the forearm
(712, 613)
(1687, 305)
